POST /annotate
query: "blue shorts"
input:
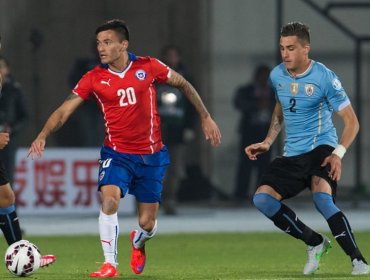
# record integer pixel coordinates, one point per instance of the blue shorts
(139, 175)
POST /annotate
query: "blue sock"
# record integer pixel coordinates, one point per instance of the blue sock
(267, 204)
(325, 204)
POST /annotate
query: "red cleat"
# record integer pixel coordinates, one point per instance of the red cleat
(137, 256)
(47, 259)
(107, 270)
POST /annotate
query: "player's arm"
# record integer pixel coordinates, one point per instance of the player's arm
(276, 124)
(55, 121)
(351, 126)
(350, 130)
(209, 127)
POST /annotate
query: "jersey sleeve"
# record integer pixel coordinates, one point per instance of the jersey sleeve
(274, 85)
(160, 71)
(335, 93)
(84, 86)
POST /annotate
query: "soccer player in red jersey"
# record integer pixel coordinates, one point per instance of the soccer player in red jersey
(133, 157)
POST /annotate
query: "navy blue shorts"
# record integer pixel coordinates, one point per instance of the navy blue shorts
(139, 175)
(288, 176)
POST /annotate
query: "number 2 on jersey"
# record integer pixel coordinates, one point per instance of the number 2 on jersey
(127, 96)
(292, 107)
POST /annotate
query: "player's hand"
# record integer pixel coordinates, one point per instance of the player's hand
(4, 139)
(334, 164)
(211, 131)
(37, 148)
(253, 150)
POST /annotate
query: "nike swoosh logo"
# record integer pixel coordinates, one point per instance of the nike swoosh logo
(14, 268)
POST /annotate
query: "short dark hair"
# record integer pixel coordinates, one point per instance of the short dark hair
(117, 25)
(296, 28)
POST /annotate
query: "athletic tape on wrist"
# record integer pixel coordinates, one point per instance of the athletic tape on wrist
(340, 150)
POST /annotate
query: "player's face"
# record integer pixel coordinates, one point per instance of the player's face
(294, 54)
(109, 47)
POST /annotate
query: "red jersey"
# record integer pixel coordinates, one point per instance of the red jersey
(128, 102)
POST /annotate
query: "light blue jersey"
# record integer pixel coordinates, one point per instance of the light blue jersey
(307, 102)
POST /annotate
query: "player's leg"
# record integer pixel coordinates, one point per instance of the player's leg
(338, 223)
(147, 229)
(109, 230)
(268, 202)
(284, 179)
(148, 189)
(9, 222)
(115, 176)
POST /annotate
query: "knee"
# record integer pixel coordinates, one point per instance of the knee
(7, 197)
(110, 205)
(267, 204)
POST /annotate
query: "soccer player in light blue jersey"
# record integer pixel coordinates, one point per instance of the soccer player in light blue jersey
(307, 93)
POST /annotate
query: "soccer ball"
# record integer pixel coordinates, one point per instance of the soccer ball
(22, 258)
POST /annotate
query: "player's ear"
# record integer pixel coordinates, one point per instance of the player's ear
(124, 45)
(307, 48)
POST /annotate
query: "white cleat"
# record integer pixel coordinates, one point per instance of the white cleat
(314, 255)
(360, 268)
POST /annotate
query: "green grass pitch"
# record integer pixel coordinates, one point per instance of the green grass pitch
(196, 256)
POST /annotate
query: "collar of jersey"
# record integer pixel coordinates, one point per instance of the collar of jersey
(304, 73)
(132, 57)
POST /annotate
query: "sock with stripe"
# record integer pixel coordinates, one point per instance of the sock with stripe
(9, 224)
(342, 233)
(285, 219)
(109, 230)
(142, 236)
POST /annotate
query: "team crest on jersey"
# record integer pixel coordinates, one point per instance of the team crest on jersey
(140, 75)
(294, 88)
(309, 88)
